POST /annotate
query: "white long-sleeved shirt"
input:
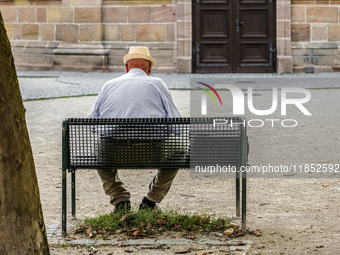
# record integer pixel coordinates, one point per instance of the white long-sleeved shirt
(134, 95)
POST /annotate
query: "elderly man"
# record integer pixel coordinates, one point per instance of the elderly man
(135, 95)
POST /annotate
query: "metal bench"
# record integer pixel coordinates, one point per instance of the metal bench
(169, 143)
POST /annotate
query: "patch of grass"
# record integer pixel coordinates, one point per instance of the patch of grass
(61, 97)
(147, 223)
(89, 246)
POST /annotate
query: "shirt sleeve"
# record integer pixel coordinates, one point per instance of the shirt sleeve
(172, 111)
(168, 102)
(95, 109)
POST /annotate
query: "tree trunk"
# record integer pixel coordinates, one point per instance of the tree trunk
(22, 229)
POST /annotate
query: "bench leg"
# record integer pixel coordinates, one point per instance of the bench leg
(244, 161)
(63, 210)
(244, 203)
(238, 194)
(73, 191)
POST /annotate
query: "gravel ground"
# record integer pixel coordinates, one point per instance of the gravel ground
(294, 215)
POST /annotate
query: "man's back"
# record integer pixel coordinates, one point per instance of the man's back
(134, 95)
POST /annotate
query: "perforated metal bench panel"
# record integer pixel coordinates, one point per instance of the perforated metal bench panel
(152, 143)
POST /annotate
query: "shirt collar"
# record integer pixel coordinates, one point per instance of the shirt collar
(136, 71)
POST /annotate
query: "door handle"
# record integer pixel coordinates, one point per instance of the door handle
(238, 24)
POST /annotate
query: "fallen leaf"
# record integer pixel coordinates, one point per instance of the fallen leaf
(229, 231)
(260, 247)
(183, 251)
(324, 185)
(205, 252)
(89, 231)
(125, 217)
(73, 237)
(136, 233)
(160, 222)
(190, 236)
(272, 233)
(149, 226)
(177, 226)
(258, 234)
(320, 246)
(234, 225)
(102, 231)
(78, 230)
(134, 229)
(118, 231)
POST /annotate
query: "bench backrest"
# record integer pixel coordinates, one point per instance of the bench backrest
(152, 143)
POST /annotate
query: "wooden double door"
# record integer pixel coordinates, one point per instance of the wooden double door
(234, 36)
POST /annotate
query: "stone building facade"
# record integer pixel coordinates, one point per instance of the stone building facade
(315, 30)
(87, 35)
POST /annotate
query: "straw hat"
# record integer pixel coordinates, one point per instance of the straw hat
(139, 52)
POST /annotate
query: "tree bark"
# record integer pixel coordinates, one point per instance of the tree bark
(22, 229)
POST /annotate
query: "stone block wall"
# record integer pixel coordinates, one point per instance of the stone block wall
(138, 24)
(315, 28)
(89, 34)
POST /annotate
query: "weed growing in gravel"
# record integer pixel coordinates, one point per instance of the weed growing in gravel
(147, 223)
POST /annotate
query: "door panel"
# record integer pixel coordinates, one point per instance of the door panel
(234, 36)
(214, 53)
(254, 24)
(253, 53)
(213, 23)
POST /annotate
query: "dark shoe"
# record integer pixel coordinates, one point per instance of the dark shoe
(122, 207)
(148, 205)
